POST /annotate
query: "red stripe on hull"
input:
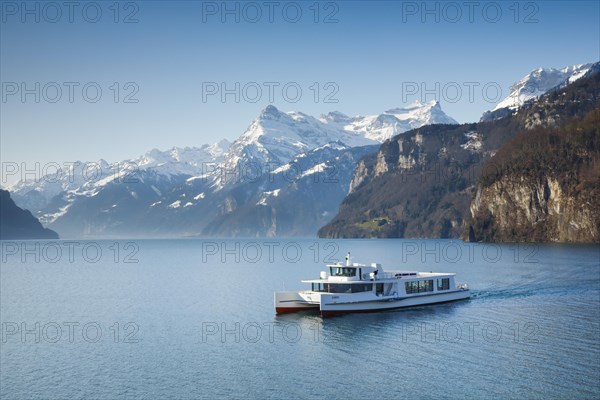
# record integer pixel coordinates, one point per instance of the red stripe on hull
(283, 310)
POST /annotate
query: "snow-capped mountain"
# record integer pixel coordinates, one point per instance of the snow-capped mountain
(87, 178)
(180, 191)
(392, 122)
(276, 137)
(534, 84)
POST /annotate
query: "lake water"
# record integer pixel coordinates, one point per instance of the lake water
(194, 319)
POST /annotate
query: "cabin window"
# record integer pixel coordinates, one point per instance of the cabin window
(364, 287)
(443, 284)
(318, 287)
(419, 286)
(379, 288)
(342, 271)
(342, 287)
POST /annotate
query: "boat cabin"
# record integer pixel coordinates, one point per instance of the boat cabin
(360, 278)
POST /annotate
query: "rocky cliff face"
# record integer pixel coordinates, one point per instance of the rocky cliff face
(533, 211)
(544, 187)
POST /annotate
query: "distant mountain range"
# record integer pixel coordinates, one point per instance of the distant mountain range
(285, 175)
(288, 173)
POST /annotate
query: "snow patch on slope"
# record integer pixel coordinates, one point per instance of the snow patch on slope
(474, 142)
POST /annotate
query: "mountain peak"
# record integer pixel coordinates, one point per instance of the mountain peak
(335, 117)
(417, 104)
(430, 103)
(434, 103)
(270, 112)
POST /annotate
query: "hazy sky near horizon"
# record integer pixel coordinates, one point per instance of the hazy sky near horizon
(93, 80)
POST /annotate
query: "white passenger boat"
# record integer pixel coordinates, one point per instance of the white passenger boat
(353, 287)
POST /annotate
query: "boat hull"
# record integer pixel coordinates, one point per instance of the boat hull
(328, 308)
(335, 304)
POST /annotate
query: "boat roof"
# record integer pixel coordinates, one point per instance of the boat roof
(388, 276)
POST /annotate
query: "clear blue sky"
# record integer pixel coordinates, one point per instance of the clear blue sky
(371, 54)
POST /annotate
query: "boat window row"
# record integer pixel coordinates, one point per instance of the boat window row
(342, 271)
(443, 284)
(342, 287)
(419, 286)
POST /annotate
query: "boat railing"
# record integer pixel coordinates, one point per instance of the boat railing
(397, 275)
